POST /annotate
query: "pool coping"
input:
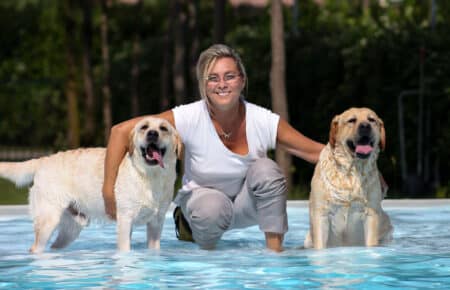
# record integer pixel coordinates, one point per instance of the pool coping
(8, 210)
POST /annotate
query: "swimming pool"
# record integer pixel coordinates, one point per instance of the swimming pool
(419, 258)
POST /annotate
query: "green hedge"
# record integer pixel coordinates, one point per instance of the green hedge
(10, 194)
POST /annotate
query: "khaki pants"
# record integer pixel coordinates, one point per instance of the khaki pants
(262, 201)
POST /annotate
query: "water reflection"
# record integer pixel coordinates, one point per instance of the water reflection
(419, 257)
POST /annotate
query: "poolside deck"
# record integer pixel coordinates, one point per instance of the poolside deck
(8, 210)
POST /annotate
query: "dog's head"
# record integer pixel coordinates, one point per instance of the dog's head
(156, 141)
(359, 130)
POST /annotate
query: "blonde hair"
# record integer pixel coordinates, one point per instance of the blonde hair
(208, 58)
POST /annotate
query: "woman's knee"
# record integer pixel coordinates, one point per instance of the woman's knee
(210, 214)
(265, 178)
(267, 184)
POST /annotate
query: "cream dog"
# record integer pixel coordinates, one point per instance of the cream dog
(66, 187)
(345, 200)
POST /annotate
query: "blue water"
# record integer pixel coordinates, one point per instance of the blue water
(418, 258)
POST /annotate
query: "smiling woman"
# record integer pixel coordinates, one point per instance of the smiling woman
(224, 87)
(228, 182)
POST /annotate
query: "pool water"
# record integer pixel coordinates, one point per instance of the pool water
(418, 258)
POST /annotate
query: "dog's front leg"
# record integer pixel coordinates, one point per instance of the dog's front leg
(319, 228)
(371, 226)
(124, 227)
(154, 234)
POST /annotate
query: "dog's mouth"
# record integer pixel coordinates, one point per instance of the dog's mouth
(153, 154)
(362, 147)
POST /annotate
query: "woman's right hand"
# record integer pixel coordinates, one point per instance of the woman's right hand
(110, 204)
(115, 152)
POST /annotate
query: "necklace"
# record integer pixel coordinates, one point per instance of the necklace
(226, 135)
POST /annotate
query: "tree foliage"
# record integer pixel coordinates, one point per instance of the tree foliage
(341, 54)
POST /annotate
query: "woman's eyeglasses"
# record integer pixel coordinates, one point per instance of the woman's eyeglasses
(228, 78)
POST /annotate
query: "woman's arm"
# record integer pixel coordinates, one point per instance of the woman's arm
(296, 143)
(115, 151)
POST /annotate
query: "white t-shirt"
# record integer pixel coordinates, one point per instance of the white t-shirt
(208, 162)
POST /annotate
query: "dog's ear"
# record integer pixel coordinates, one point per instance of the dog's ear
(178, 145)
(382, 135)
(131, 143)
(333, 130)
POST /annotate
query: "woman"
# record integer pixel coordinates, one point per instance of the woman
(228, 180)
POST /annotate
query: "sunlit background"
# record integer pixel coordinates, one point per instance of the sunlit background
(70, 69)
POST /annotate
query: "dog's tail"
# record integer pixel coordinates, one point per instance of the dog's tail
(21, 173)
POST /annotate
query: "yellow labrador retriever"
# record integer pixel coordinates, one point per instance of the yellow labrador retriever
(345, 200)
(66, 187)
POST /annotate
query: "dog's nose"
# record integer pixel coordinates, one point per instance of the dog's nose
(152, 136)
(364, 129)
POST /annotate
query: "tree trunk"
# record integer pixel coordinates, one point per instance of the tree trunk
(277, 81)
(432, 4)
(195, 44)
(401, 136)
(135, 69)
(165, 74)
(219, 21)
(70, 84)
(135, 73)
(179, 84)
(294, 21)
(106, 89)
(427, 146)
(366, 9)
(167, 57)
(89, 123)
(420, 118)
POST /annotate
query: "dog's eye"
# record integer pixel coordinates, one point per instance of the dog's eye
(352, 120)
(163, 128)
(145, 127)
(371, 120)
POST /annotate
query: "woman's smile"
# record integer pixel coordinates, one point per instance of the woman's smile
(224, 84)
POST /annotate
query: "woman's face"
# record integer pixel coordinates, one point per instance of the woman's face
(224, 84)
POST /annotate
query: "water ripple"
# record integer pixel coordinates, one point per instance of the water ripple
(419, 258)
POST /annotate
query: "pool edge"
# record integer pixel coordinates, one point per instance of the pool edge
(8, 210)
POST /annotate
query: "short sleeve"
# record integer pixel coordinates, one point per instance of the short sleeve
(186, 118)
(272, 121)
(263, 126)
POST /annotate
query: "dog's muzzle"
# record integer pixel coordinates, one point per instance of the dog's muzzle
(363, 144)
(153, 153)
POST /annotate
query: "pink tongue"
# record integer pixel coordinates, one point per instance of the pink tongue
(363, 149)
(157, 157)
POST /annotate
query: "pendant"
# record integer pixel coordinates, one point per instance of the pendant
(226, 135)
